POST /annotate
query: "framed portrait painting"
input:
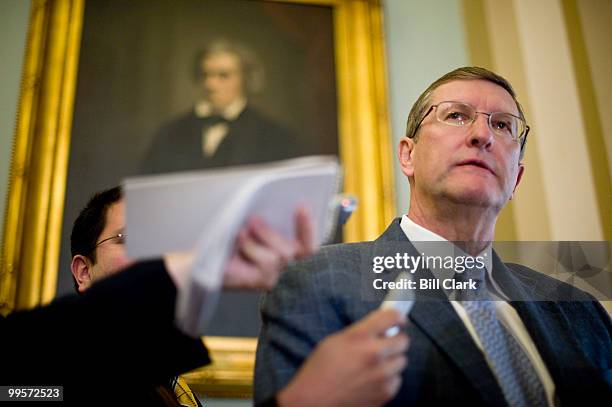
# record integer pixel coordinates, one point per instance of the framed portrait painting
(113, 88)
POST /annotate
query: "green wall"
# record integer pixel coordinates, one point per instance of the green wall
(425, 39)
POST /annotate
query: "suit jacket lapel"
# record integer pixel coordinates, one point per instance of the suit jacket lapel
(439, 320)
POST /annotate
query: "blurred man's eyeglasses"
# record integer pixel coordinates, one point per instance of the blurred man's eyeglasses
(119, 238)
(460, 114)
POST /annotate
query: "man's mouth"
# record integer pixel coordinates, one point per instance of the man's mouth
(477, 163)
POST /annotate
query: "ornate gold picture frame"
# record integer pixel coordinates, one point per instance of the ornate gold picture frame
(32, 231)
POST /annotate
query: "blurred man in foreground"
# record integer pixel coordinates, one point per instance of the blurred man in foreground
(117, 342)
(98, 250)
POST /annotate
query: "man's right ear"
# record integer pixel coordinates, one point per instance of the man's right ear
(81, 266)
(405, 152)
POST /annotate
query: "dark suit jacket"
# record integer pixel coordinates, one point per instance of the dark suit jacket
(325, 294)
(113, 344)
(252, 138)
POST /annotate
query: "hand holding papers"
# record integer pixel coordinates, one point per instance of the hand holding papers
(203, 211)
(261, 253)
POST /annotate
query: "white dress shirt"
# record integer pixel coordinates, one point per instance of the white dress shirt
(506, 314)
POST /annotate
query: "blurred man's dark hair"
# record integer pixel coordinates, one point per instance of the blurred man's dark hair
(90, 223)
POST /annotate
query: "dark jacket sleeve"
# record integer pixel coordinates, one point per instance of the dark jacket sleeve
(120, 331)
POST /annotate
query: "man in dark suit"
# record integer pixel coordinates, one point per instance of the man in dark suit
(512, 340)
(223, 128)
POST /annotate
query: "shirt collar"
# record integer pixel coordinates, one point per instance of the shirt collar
(231, 112)
(417, 233)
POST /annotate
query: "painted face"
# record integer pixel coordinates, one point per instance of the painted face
(222, 79)
(466, 165)
(110, 255)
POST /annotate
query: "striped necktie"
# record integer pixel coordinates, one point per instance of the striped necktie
(511, 366)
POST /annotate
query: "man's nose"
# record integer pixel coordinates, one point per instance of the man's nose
(480, 134)
(210, 81)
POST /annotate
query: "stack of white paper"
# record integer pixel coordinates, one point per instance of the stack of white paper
(204, 210)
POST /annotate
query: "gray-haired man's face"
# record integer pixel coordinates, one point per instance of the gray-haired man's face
(469, 165)
(222, 80)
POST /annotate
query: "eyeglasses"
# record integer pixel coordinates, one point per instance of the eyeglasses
(119, 239)
(460, 114)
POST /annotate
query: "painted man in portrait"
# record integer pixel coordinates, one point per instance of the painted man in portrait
(223, 128)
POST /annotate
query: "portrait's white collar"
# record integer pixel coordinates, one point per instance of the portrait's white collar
(204, 109)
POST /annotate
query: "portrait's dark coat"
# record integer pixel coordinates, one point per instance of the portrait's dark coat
(252, 138)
